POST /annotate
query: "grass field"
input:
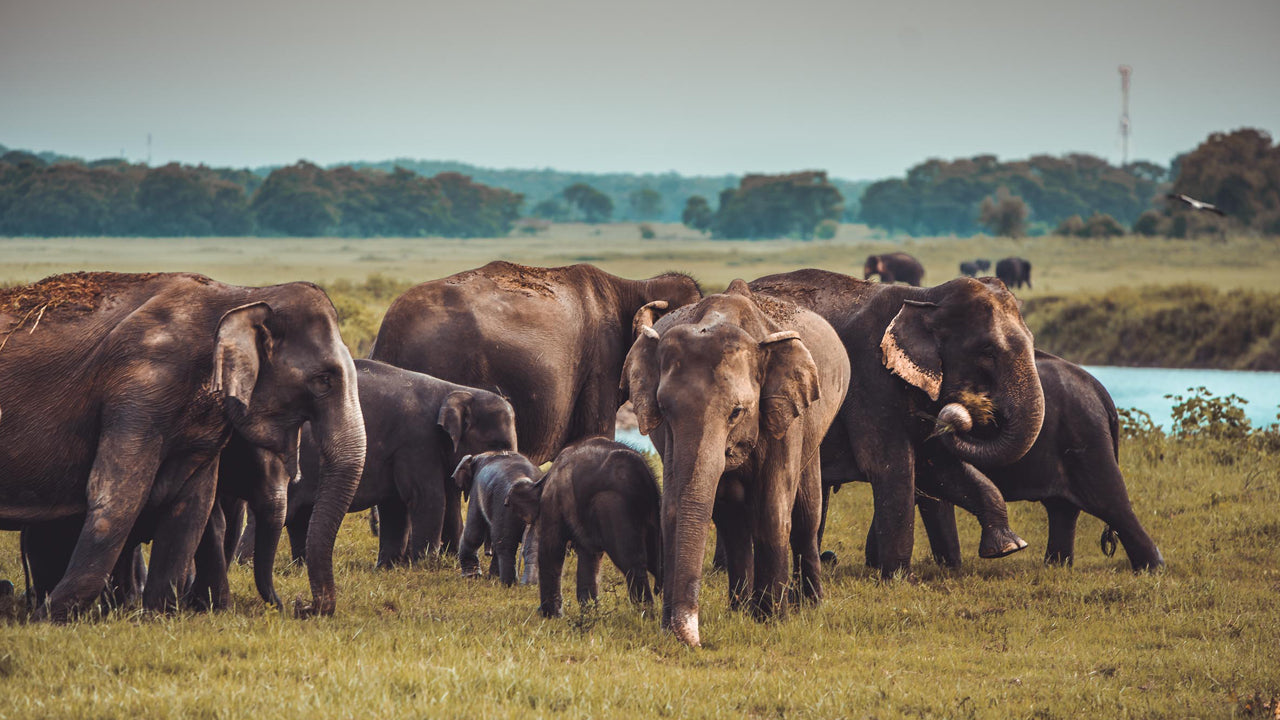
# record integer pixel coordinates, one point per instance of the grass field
(1000, 638)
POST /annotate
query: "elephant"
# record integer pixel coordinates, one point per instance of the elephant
(1014, 272)
(1073, 466)
(550, 340)
(915, 351)
(46, 550)
(601, 496)
(737, 392)
(153, 372)
(971, 268)
(892, 267)
(487, 480)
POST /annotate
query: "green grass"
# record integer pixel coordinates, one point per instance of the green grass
(1002, 638)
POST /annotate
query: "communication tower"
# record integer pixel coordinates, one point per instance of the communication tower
(1125, 72)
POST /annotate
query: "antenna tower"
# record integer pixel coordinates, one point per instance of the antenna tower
(148, 149)
(1125, 72)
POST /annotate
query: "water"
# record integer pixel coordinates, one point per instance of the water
(1145, 389)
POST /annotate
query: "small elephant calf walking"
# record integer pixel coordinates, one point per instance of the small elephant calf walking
(601, 496)
(487, 480)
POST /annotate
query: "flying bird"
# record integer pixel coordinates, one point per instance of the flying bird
(1195, 204)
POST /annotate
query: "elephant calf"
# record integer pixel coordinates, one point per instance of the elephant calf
(601, 496)
(486, 479)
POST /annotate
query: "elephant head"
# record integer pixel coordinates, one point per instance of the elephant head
(712, 382)
(967, 338)
(526, 498)
(477, 421)
(871, 267)
(281, 362)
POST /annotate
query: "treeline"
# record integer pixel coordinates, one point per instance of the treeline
(939, 197)
(801, 205)
(114, 197)
(1190, 326)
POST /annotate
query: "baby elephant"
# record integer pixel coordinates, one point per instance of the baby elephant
(486, 480)
(601, 496)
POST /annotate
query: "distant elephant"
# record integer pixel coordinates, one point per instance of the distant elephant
(971, 268)
(1073, 466)
(913, 352)
(1014, 272)
(894, 267)
(551, 340)
(487, 480)
(737, 392)
(600, 496)
(120, 392)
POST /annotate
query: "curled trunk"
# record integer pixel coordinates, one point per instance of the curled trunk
(1019, 415)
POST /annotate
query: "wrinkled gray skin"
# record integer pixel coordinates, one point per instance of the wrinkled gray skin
(737, 392)
(118, 406)
(601, 496)
(913, 351)
(894, 267)
(1014, 272)
(487, 480)
(1073, 466)
(550, 340)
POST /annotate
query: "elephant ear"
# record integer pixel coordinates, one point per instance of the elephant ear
(526, 498)
(790, 381)
(738, 287)
(455, 415)
(910, 349)
(647, 315)
(241, 343)
(640, 375)
(462, 475)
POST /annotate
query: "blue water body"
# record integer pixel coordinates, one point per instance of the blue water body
(1145, 389)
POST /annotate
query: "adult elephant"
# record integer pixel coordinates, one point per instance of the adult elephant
(551, 340)
(1073, 466)
(914, 351)
(737, 392)
(894, 267)
(120, 391)
(1014, 272)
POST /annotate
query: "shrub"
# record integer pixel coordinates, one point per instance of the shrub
(826, 229)
(1205, 415)
(646, 232)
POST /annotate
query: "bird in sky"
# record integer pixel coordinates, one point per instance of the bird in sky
(1195, 204)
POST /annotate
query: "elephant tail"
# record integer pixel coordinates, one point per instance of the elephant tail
(1108, 541)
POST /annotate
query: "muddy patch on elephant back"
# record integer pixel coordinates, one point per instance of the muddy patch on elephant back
(70, 293)
(779, 311)
(531, 281)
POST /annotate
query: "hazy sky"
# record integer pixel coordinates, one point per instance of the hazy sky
(864, 90)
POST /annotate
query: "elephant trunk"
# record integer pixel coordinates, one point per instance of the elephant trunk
(339, 433)
(1020, 414)
(269, 522)
(686, 513)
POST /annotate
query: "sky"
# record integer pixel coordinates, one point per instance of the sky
(862, 90)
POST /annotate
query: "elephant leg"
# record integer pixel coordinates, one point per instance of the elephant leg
(770, 543)
(393, 535)
(806, 524)
(472, 539)
(508, 529)
(233, 509)
(962, 484)
(1061, 549)
(734, 533)
(47, 548)
(588, 576)
(718, 561)
(887, 461)
(529, 553)
(423, 495)
(939, 518)
(626, 549)
(373, 521)
(1138, 545)
(211, 589)
(245, 540)
(451, 528)
(551, 548)
(123, 473)
(297, 526)
(129, 576)
(175, 544)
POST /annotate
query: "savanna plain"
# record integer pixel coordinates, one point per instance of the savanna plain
(997, 638)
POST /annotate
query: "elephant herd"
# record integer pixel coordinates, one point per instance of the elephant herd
(157, 407)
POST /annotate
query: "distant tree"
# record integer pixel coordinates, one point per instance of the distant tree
(646, 203)
(551, 209)
(595, 206)
(889, 204)
(1147, 224)
(1005, 214)
(1239, 172)
(1101, 225)
(777, 206)
(826, 229)
(697, 213)
(1071, 227)
(297, 200)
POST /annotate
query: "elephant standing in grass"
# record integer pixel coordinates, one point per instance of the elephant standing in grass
(600, 496)
(914, 351)
(119, 393)
(737, 392)
(1073, 466)
(487, 480)
(894, 267)
(551, 340)
(1014, 272)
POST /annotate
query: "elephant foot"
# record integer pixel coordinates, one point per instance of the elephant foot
(829, 558)
(548, 610)
(998, 542)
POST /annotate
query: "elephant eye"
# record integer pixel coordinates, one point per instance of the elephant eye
(320, 385)
(737, 413)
